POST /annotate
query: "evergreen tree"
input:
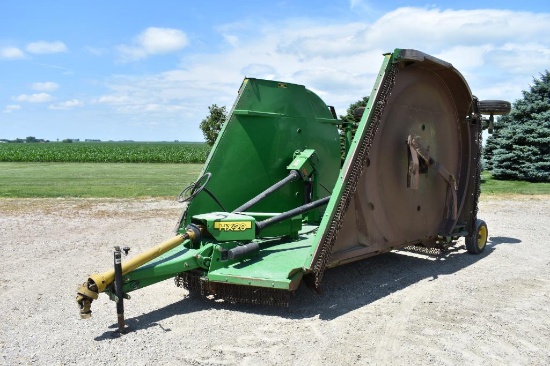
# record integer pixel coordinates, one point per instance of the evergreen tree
(212, 124)
(519, 149)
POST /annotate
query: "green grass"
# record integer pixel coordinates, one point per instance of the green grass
(490, 186)
(105, 152)
(95, 180)
(150, 180)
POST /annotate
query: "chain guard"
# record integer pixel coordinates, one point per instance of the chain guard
(196, 283)
(356, 170)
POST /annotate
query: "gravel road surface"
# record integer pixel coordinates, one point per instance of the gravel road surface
(401, 308)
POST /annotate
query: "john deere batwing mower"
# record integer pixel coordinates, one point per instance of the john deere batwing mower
(277, 204)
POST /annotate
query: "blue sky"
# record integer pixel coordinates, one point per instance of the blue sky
(118, 70)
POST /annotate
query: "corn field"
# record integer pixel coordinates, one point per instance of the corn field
(105, 152)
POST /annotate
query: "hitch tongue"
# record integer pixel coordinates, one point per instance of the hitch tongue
(98, 282)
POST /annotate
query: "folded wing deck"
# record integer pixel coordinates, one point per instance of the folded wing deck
(372, 209)
(410, 176)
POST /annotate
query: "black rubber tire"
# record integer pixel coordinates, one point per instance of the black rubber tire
(494, 107)
(476, 243)
(358, 113)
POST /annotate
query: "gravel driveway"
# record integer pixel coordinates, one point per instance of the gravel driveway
(400, 308)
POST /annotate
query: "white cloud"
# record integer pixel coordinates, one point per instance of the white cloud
(433, 29)
(522, 57)
(33, 98)
(323, 40)
(361, 6)
(11, 53)
(11, 107)
(497, 51)
(490, 47)
(162, 40)
(46, 47)
(176, 91)
(69, 104)
(466, 57)
(261, 71)
(231, 39)
(153, 41)
(113, 99)
(45, 86)
(95, 51)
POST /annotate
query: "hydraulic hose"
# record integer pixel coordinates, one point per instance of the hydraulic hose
(294, 175)
(260, 225)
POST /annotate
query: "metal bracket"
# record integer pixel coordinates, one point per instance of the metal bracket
(418, 150)
(304, 162)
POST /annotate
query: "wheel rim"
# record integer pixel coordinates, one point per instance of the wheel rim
(481, 237)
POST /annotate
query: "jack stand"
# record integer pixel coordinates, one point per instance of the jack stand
(119, 295)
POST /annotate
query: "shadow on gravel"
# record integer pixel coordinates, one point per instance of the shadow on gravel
(502, 240)
(344, 289)
(153, 318)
